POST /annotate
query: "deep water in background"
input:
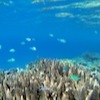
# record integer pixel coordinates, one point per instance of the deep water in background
(58, 31)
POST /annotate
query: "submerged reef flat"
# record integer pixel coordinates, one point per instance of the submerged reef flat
(49, 79)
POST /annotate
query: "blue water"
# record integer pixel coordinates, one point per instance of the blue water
(21, 19)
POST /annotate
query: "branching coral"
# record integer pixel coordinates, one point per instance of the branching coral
(49, 80)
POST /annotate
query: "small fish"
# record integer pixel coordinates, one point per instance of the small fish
(33, 48)
(6, 4)
(51, 35)
(28, 39)
(61, 40)
(11, 2)
(44, 88)
(0, 47)
(12, 50)
(11, 60)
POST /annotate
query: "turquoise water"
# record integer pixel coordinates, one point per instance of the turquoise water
(34, 29)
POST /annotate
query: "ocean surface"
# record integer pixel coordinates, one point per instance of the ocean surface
(57, 29)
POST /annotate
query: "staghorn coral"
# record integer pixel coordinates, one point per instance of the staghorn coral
(50, 80)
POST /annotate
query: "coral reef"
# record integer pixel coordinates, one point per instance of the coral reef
(50, 80)
(91, 56)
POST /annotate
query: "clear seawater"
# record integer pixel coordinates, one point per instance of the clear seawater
(34, 29)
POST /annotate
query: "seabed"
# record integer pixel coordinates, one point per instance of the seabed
(53, 79)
